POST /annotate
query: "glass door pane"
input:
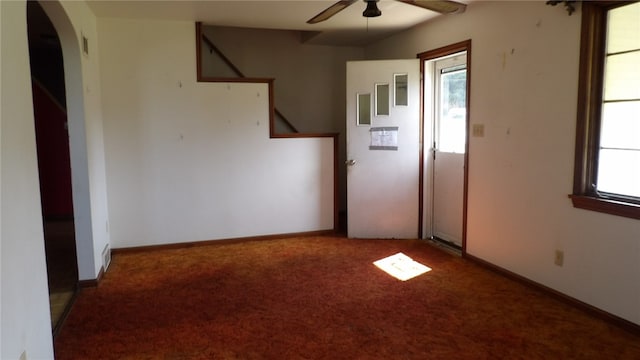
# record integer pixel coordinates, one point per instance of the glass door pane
(451, 129)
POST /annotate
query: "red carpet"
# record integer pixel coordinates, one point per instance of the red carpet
(322, 298)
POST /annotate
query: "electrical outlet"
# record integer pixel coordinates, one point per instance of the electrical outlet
(559, 259)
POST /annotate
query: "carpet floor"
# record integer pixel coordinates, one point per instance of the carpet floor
(322, 298)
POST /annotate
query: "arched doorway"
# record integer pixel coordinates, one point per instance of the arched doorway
(88, 265)
(54, 166)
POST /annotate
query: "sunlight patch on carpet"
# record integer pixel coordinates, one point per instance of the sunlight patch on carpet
(401, 267)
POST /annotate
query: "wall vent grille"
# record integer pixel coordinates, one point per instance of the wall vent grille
(106, 257)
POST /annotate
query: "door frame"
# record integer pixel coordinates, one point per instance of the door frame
(432, 55)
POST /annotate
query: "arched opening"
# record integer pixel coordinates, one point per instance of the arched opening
(54, 166)
(73, 99)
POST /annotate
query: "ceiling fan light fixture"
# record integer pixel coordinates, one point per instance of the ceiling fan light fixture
(372, 9)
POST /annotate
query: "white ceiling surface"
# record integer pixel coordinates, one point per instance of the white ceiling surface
(348, 27)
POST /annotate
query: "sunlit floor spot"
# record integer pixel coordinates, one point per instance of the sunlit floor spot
(401, 267)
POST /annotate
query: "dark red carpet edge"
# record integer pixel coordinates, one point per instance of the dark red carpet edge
(321, 298)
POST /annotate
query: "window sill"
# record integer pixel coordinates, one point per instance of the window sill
(607, 206)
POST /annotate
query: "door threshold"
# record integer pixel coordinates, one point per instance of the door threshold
(63, 310)
(445, 245)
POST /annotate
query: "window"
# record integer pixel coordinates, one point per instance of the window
(607, 166)
(451, 104)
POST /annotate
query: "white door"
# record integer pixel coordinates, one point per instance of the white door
(383, 125)
(449, 148)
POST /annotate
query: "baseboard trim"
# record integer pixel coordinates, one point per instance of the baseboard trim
(134, 249)
(91, 283)
(590, 309)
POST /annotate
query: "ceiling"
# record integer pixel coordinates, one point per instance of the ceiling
(348, 27)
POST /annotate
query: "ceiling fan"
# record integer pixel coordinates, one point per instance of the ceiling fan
(441, 6)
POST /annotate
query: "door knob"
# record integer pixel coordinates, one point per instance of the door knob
(350, 162)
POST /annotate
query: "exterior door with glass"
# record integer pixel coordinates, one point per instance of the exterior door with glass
(450, 80)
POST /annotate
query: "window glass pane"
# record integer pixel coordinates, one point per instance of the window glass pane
(624, 27)
(620, 126)
(622, 76)
(453, 100)
(454, 90)
(364, 109)
(619, 172)
(401, 95)
(382, 99)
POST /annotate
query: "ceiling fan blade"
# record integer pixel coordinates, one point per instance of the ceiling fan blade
(330, 11)
(441, 6)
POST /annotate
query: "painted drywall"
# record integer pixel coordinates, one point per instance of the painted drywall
(309, 79)
(190, 161)
(524, 81)
(84, 23)
(26, 324)
(24, 304)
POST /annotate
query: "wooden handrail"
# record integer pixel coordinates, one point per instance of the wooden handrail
(213, 48)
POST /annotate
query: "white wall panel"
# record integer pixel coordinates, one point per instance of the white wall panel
(190, 161)
(310, 79)
(25, 323)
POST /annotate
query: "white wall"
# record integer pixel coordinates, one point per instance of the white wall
(524, 80)
(84, 23)
(190, 161)
(24, 304)
(25, 318)
(310, 79)
(1, 102)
